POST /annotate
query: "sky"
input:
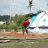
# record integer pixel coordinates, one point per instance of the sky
(12, 7)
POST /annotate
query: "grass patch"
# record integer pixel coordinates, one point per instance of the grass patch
(26, 44)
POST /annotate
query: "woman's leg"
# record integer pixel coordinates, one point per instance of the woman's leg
(23, 29)
(26, 30)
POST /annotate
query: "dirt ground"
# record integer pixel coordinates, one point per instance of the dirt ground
(41, 43)
(22, 36)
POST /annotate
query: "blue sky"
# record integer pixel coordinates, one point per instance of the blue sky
(12, 7)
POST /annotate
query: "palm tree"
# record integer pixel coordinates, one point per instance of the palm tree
(30, 5)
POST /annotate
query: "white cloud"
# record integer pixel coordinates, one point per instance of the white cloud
(20, 6)
(39, 5)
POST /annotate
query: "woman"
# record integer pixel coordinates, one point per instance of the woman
(25, 24)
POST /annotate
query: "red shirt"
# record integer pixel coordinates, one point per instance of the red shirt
(25, 23)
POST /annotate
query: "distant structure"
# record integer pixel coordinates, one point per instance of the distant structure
(4, 19)
(2, 22)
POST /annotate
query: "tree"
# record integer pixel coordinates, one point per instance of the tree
(30, 5)
(39, 11)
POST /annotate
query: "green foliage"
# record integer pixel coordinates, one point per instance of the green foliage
(40, 43)
(16, 24)
(19, 18)
(13, 26)
(1, 26)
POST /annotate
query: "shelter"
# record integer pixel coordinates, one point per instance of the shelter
(39, 23)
